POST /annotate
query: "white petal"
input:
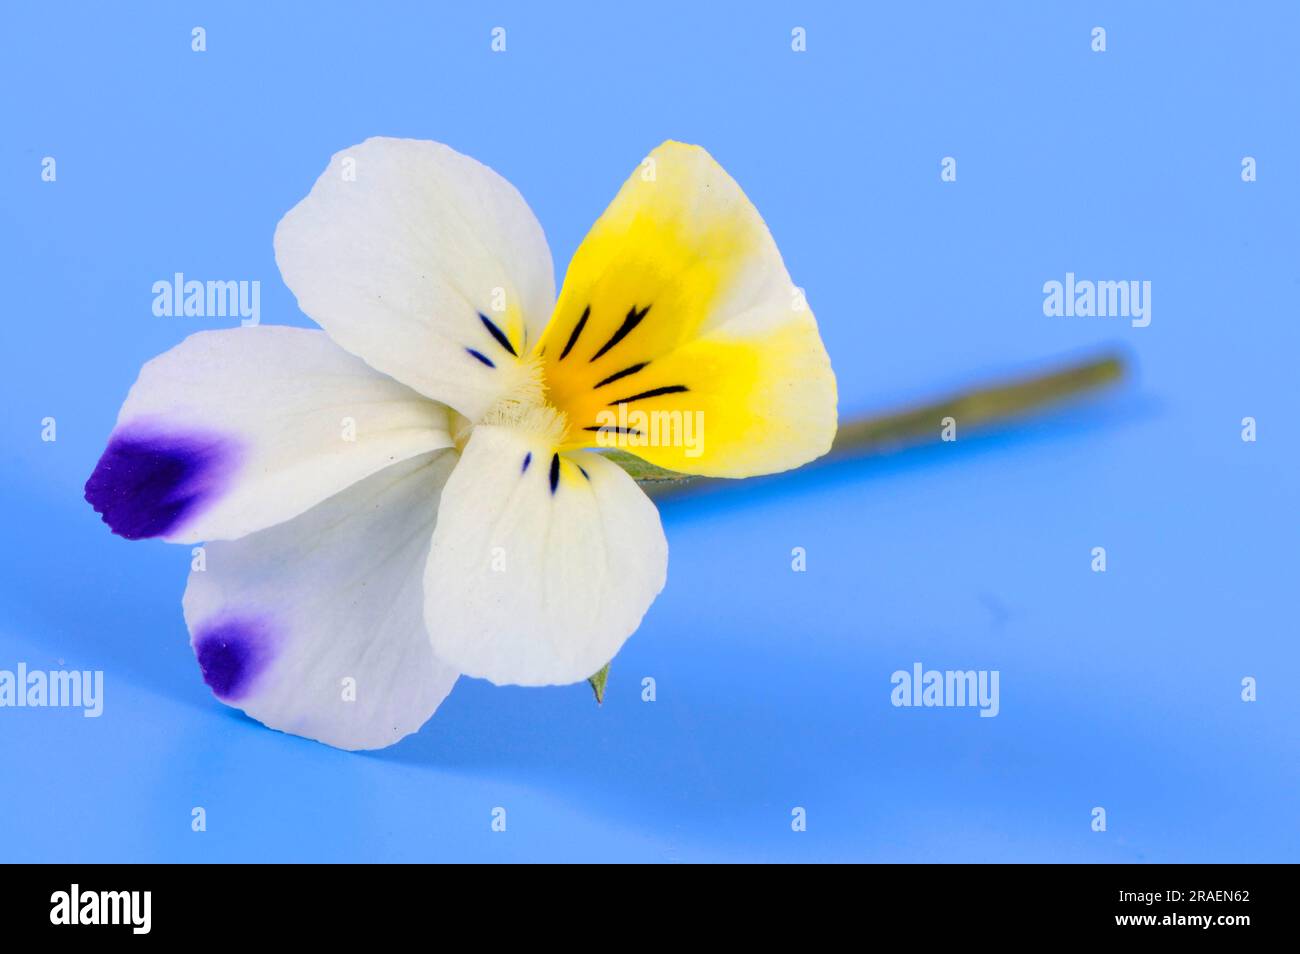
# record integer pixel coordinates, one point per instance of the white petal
(533, 583)
(233, 431)
(400, 251)
(316, 626)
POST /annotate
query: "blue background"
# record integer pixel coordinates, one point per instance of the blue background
(1119, 690)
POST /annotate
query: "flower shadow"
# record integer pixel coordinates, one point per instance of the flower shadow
(758, 674)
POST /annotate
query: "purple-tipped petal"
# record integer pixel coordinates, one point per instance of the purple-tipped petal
(148, 481)
(234, 431)
(316, 626)
(232, 653)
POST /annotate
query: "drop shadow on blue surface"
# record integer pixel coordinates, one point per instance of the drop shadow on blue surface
(690, 757)
(702, 757)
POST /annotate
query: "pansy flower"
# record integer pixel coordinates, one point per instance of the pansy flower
(419, 489)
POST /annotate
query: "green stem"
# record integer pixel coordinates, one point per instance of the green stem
(598, 682)
(973, 407)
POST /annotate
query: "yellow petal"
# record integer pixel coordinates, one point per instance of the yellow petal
(679, 336)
